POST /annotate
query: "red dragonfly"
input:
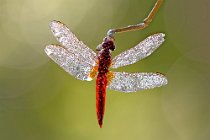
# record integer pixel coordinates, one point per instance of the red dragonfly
(83, 63)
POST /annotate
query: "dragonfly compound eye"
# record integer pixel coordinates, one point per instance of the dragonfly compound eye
(108, 45)
(112, 48)
(105, 45)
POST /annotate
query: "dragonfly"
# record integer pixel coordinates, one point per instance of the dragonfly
(83, 63)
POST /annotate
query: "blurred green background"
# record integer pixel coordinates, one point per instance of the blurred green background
(40, 101)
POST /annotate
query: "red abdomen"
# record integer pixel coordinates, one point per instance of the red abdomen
(101, 83)
(104, 61)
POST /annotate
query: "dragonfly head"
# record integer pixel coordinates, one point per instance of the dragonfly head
(108, 43)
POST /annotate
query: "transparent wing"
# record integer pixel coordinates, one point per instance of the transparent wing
(132, 82)
(140, 51)
(71, 42)
(72, 63)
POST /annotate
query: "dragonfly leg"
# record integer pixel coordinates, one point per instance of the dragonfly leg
(139, 26)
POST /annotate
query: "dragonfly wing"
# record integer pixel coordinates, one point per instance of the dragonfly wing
(72, 63)
(71, 42)
(132, 82)
(140, 51)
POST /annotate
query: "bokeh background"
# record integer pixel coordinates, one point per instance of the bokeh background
(40, 101)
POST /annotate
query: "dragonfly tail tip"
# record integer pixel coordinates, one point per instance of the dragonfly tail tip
(100, 125)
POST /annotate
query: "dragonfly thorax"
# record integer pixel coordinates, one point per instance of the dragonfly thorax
(104, 55)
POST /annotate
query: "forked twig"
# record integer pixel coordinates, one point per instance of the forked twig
(138, 26)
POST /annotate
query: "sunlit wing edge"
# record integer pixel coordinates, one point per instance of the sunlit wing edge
(71, 62)
(140, 51)
(70, 42)
(132, 82)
